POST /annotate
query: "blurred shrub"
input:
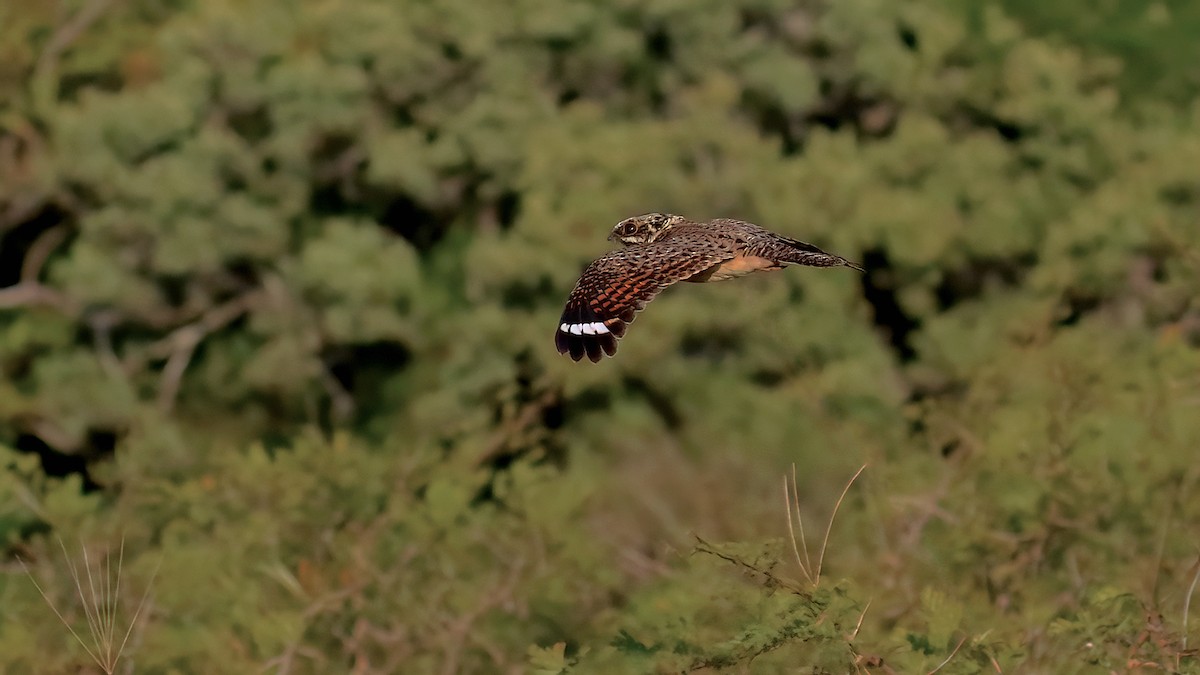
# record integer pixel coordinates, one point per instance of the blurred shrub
(277, 287)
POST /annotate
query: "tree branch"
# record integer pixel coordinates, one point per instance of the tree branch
(67, 34)
(32, 294)
(179, 346)
(39, 251)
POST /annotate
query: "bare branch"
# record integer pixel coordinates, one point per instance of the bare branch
(705, 547)
(180, 345)
(67, 34)
(33, 294)
(460, 629)
(39, 251)
(524, 420)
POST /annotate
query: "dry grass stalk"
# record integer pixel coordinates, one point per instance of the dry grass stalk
(811, 573)
(101, 605)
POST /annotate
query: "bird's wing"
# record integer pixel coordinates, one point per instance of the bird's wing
(616, 286)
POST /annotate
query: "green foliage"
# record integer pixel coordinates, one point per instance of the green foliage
(1155, 39)
(278, 283)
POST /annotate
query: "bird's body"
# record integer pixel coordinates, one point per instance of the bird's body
(659, 250)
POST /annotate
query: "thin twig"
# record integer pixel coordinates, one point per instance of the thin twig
(39, 251)
(56, 612)
(813, 575)
(32, 294)
(67, 34)
(101, 601)
(111, 598)
(284, 661)
(54, 436)
(791, 531)
(524, 420)
(943, 663)
(102, 322)
(858, 625)
(800, 521)
(90, 611)
(807, 566)
(171, 378)
(22, 204)
(141, 603)
(458, 630)
(209, 322)
(180, 345)
(838, 505)
(705, 547)
(1187, 603)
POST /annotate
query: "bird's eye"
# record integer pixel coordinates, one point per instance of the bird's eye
(627, 228)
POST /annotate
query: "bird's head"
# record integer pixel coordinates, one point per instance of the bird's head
(643, 229)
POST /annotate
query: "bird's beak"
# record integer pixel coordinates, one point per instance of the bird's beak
(612, 236)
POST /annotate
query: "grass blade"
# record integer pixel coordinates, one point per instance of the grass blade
(101, 604)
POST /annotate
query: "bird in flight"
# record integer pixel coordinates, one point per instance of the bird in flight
(659, 249)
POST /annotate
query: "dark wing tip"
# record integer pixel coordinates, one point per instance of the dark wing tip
(617, 326)
(562, 341)
(581, 333)
(595, 347)
(608, 343)
(594, 352)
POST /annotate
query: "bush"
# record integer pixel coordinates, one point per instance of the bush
(277, 288)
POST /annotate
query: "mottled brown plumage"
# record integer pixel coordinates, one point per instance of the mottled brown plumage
(659, 250)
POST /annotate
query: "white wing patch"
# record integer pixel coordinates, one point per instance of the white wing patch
(590, 328)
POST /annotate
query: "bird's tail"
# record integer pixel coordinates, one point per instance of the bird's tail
(802, 253)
